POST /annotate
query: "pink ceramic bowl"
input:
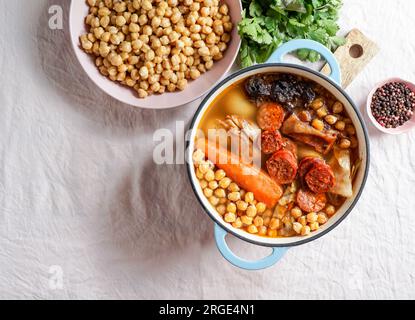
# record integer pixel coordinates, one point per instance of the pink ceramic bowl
(402, 129)
(193, 91)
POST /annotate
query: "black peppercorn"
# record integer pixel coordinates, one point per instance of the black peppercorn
(393, 104)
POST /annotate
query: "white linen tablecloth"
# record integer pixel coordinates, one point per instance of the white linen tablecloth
(85, 213)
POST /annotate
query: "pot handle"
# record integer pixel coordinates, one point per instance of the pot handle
(290, 46)
(276, 255)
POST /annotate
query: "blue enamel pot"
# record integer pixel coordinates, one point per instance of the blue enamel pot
(330, 83)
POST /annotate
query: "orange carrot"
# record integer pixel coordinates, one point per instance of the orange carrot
(247, 176)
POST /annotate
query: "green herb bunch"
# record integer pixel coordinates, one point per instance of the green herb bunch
(266, 24)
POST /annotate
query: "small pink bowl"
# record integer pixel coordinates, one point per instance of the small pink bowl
(402, 129)
(194, 90)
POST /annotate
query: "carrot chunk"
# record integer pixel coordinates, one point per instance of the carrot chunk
(247, 176)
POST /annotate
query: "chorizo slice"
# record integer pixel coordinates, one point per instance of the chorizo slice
(282, 167)
(320, 179)
(311, 202)
(271, 141)
(307, 164)
(270, 116)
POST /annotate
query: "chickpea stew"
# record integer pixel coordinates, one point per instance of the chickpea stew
(300, 160)
(156, 46)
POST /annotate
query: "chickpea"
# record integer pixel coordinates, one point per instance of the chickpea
(129, 82)
(251, 211)
(234, 196)
(146, 5)
(142, 20)
(261, 207)
(224, 9)
(204, 51)
(174, 36)
(199, 174)
(249, 197)
(120, 21)
(225, 183)
(338, 107)
(247, 220)
(322, 112)
(302, 220)
(241, 205)
(208, 192)
(219, 30)
(171, 87)
(195, 6)
(233, 187)
(314, 226)
(330, 210)
(220, 193)
(258, 222)
(330, 119)
(221, 209)
(262, 231)
(214, 201)
(230, 217)
(181, 84)
(205, 12)
(115, 60)
(147, 30)
(214, 50)
(252, 229)
(296, 212)
(145, 86)
(137, 44)
(275, 224)
(305, 230)
(272, 233)
(213, 184)
(297, 227)
(222, 46)
(345, 144)
(228, 26)
(142, 93)
(238, 223)
(322, 218)
(134, 18)
(231, 207)
(194, 73)
(311, 217)
(210, 175)
(318, 124)
(144, 72)
(317, 104)
(209, 65)
(340, 125)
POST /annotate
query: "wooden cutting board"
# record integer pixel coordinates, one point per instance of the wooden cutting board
(353, 57)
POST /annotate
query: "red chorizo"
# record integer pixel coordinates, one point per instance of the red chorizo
(282, 167)
(311, 202)
(270, 116)
(320, 179)
(271, 141)
(307, 164)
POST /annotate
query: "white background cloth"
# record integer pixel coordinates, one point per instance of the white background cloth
(79, 189)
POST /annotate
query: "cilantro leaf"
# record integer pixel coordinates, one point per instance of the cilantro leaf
(266, 24)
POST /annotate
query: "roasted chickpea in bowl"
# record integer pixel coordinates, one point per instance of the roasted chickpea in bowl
(155, 53)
